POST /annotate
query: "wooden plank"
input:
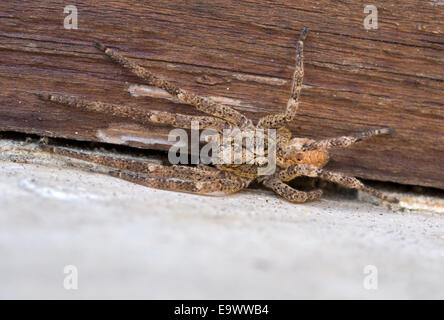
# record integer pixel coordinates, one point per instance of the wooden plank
(242, 53)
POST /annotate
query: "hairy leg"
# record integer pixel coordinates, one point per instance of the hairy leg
(244, 170)
(201, 180)
(336, 177)
(338, 142)
(200, 103)
(290, 194)
(278, 120)
(144, 117)
(141, 166)
(206, 186)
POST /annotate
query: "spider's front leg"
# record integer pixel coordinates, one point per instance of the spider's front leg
(139, 116)
(289, 193)
(346, 181)
(200, 180)
(279, 120)
(205, 105)
(205, 186)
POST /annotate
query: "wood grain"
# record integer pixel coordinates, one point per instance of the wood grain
(241, 53)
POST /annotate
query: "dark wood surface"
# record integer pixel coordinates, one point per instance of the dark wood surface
(241, 53)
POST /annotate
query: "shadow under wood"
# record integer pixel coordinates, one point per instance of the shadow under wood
(23, 148)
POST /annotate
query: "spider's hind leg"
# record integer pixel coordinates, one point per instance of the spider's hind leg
(336, 177)
(344, 141)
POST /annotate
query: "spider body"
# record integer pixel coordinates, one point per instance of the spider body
(294, 157)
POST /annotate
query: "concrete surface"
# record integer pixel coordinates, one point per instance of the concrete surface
(128, 241)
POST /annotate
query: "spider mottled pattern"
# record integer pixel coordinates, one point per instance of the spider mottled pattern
(295, 156)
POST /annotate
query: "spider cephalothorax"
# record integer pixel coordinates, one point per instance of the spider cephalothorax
(293, 156)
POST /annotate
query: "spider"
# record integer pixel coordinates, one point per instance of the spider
(295, 156)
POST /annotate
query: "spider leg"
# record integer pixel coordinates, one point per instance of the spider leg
(141, 166)
(278, 120)
(200, 103)
(341, 142)
(290, 194)
(336, 177)
(206, 187)
(201, 180)
(245, 170)
(144, 117)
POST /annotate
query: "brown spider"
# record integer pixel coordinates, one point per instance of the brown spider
(294, 156)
